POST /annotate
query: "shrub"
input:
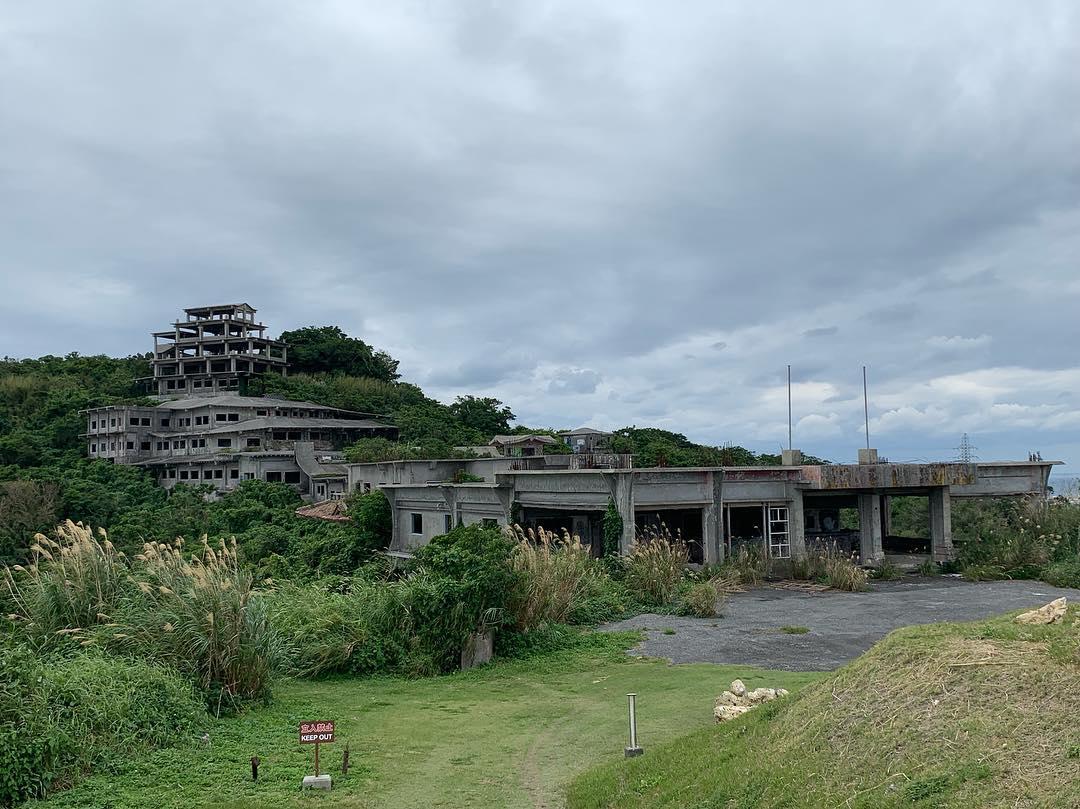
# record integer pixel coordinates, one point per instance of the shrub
(1063, 574)
(749, 565)
(983, 572)
(827, 564)
(841, 572)
(472, 563)
(702, 599)
(374, 520)
(61, 717)
(655, 565)
(886, 571)
(362, 631)
(554, 576)
(604, 599)
(929, 568)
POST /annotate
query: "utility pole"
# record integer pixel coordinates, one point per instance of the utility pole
(789, 444)
(866, 407)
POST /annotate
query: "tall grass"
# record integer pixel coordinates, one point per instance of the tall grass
(193, 612)
(72, 582)
(555, 575)
(654, 567)
(197, 613)
(829, 565)
(748, 565)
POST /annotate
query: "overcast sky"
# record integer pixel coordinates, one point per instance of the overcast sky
(602, 213)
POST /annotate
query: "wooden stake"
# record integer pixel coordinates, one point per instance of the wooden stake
(316, 759)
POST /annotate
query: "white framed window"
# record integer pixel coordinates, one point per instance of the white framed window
(779, 535)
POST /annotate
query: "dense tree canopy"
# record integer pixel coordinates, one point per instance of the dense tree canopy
(327, 349)
(485, 415)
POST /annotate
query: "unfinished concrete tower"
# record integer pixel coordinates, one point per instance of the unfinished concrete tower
(214, 350)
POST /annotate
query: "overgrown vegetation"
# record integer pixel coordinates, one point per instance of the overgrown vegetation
(1019, 539)
(61, 716)
(194, 612)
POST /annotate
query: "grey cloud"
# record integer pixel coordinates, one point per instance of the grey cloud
(574, 380)
(822, 331)
(490, 190)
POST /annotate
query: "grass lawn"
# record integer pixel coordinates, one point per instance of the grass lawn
(509, 735)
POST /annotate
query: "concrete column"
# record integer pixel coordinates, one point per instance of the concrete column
(870, 529)
(397, 540)
(941, 547)
(797, 525)
(886, 515)
(624, 502)
(712, 520)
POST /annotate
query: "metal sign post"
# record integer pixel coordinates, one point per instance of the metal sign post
(633, 750)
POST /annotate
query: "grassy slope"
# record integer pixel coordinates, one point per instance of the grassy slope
(510, 735)
(950, 715)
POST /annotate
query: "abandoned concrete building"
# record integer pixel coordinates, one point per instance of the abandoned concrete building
(202, 432)
(586, 439)
(780, 509)
(214, 349)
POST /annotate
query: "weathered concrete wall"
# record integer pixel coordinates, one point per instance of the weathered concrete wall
(889, 475)
(1007, 479)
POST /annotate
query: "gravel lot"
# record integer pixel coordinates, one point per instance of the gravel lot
(842, 625)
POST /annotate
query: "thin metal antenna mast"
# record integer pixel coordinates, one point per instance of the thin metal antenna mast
(789, 407)
(866, 407)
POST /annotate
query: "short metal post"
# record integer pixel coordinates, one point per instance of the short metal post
(633, 750)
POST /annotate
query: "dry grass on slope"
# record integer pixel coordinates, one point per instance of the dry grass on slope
(961, 715)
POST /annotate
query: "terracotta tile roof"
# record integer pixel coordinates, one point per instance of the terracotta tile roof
(332, 510)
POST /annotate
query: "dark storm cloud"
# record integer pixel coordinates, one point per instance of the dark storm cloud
(641, 212)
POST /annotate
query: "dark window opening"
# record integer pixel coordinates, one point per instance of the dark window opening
(417, 523)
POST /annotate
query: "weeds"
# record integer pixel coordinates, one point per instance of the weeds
(749, 565)
(654, 567)
(555, 574)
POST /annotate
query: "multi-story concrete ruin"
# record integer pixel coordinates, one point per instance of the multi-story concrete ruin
(202, 432)
(213, 350)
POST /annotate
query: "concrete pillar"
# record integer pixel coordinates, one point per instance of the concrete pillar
(797, 525)
(712, 522)
(870, 547)
(624, 502)
(941, 547)
(886, 515)
(397, 539)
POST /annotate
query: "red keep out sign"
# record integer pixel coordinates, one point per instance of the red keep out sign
(316, 732)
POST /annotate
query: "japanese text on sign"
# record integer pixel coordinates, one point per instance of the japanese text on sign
(316, 732)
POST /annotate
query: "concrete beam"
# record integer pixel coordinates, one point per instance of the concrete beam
(870, 539)
(941, 547)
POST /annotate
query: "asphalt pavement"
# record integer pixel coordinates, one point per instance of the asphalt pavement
(841, 625)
